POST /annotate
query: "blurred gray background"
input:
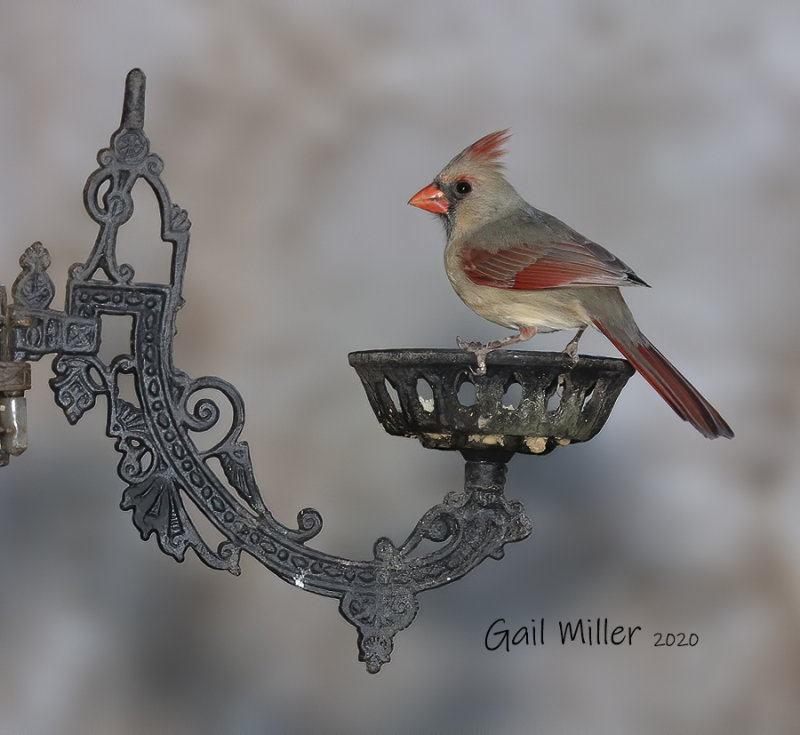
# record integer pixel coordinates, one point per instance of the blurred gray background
(294, 133)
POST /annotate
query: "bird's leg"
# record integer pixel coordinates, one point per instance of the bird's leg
(480, 350)
(571, 350)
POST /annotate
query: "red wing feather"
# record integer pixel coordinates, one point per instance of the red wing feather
(529, 268)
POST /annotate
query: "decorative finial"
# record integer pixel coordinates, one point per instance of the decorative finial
(133, 104)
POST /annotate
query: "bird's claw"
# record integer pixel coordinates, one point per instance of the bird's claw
(571, 351)
(468, 346)
(480, 369)
(480, 351)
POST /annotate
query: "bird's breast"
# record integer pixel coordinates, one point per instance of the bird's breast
(547, 309)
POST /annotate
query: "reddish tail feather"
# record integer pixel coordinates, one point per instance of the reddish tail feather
(676, 390)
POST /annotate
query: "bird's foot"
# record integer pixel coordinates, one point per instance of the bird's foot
(480, 351)
(571, 350)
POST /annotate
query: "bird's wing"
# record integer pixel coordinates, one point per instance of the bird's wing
(539, 261)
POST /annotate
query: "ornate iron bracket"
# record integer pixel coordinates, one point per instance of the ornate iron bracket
(165, 471)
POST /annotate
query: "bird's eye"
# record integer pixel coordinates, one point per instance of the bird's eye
(463, 188)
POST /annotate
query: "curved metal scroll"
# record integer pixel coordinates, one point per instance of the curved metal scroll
(164, 469)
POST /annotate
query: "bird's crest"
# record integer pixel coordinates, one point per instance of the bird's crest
(487, 151)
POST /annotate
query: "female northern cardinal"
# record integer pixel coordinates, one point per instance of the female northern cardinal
(524, 269)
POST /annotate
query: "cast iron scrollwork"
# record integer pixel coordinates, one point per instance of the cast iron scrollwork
(166, 472)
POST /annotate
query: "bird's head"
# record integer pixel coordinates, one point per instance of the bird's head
(470, 190)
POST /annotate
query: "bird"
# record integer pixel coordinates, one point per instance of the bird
(526, 270)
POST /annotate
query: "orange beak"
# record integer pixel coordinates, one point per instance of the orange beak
(430, 199)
